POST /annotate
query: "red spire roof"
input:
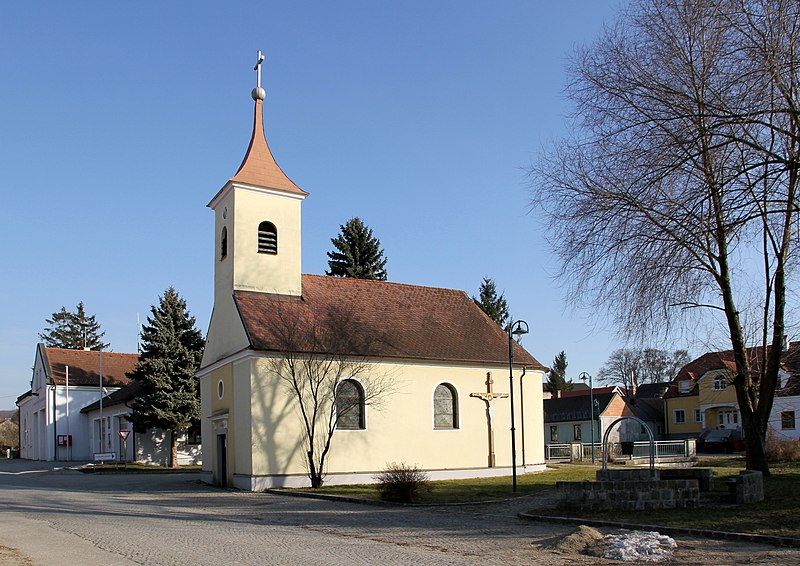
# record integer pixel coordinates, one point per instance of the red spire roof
(259, 166)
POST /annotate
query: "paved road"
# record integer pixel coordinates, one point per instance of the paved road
(65, 517)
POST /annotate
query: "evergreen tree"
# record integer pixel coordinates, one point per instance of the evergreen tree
(557, 378)
(358, 253)
(171, 352)
(73, 330)
(494, 305)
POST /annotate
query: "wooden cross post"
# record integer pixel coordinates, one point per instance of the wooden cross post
(488, 396)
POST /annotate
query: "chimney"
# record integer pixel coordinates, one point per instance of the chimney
(785, 343)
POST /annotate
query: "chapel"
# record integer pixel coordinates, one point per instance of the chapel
(399, 373)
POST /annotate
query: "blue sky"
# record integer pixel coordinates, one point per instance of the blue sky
(119, 122)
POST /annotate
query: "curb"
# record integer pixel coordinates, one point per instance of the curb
(706, 533)
(380, 503)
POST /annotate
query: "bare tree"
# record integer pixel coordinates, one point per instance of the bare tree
(318, 354)
(677, 191)
(630, 367)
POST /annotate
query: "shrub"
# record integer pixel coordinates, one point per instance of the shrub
(781, 449)
(402, 483)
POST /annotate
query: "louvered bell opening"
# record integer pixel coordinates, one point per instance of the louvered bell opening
(267, 239)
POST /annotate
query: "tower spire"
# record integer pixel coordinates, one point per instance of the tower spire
(259, 167)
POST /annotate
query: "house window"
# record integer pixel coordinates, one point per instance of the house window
(720, 383)
(267, 238)
(576, 432)
(680, 416)
(698, 416)
(350, 405)
(787, 420)
(223, 244)
(553, 433)
(684, 386)
(445, 413)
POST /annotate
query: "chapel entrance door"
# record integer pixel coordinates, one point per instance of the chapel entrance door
(222, 460)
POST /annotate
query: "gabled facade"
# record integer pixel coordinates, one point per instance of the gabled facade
(436, 344)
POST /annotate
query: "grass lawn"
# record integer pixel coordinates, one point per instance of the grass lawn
(778, 514)
(478, 489)
(138, 468)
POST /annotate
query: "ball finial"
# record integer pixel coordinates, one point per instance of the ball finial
(258, 93)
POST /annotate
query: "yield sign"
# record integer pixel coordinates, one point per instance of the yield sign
(124, 434)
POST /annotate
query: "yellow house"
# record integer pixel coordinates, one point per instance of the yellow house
(419, 375)
(702, 397)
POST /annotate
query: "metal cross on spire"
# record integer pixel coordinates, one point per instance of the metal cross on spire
(258, 93)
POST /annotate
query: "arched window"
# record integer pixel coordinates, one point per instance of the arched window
(267, 238)
(350, 405)
(720, 383)
(445, 406)
(223, 243)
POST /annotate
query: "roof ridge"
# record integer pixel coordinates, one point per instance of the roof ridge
(384, 282)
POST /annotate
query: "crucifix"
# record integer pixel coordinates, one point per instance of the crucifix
(488, 396)
(258, 92)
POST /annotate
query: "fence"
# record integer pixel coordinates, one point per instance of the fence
(558, 452)
(641, 449)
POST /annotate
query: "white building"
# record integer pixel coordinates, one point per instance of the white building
(783, 420)
(59, 417)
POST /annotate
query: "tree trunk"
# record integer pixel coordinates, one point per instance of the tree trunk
(173, 449)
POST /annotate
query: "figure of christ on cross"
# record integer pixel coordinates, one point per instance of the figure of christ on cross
(488, 397)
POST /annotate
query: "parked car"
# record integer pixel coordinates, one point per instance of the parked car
(721, 440)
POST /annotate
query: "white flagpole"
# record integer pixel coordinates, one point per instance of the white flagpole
(69, 445)
(102, 423)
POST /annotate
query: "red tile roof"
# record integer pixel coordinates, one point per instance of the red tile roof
(710, 361)
(84, 366)
(259, 166)
(376, 319)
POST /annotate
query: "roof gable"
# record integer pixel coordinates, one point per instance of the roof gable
(381, 319)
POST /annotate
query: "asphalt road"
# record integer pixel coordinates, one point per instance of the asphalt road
(66, 517)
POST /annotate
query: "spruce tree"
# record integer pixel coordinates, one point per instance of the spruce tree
(73, 330)
(557, 378)
(494, 305)
(358, 253)
(171, 352)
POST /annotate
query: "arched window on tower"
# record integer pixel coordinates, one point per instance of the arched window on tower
(223, 243)
(445, 407)
(267, 238)
(350, 405)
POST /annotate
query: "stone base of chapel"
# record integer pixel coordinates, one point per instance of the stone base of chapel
(260, 483)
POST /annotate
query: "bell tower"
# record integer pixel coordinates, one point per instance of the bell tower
(257, 221)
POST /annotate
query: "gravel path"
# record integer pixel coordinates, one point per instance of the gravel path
(65, 517)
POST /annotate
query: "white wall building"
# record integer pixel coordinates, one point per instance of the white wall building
(59, 417)
(785, 416)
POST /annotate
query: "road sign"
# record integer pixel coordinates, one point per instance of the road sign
(104, 456)
(124, 434)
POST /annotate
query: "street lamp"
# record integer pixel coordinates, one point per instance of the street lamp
(583, 377)
(516, 330)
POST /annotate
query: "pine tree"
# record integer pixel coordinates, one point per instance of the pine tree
(494, 305)
(171, 352)
(73, 330)
(557, 378)
(358, 253)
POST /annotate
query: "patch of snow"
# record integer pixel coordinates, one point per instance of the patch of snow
(639, 546)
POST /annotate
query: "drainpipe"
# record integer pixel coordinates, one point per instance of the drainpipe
(522, 414)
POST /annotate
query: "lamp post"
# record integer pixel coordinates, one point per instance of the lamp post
(583, 377)
(515, 330)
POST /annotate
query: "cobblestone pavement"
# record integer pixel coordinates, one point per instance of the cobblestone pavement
(65, 517)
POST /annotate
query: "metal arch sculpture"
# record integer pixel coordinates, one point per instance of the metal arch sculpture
(649, 435)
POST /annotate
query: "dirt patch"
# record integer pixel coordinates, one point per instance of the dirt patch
(12, 556)
(579, 541)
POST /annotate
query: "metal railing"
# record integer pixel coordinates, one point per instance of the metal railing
(663, 449)
(558, 451)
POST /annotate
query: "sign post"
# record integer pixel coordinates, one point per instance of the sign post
(124, 434)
